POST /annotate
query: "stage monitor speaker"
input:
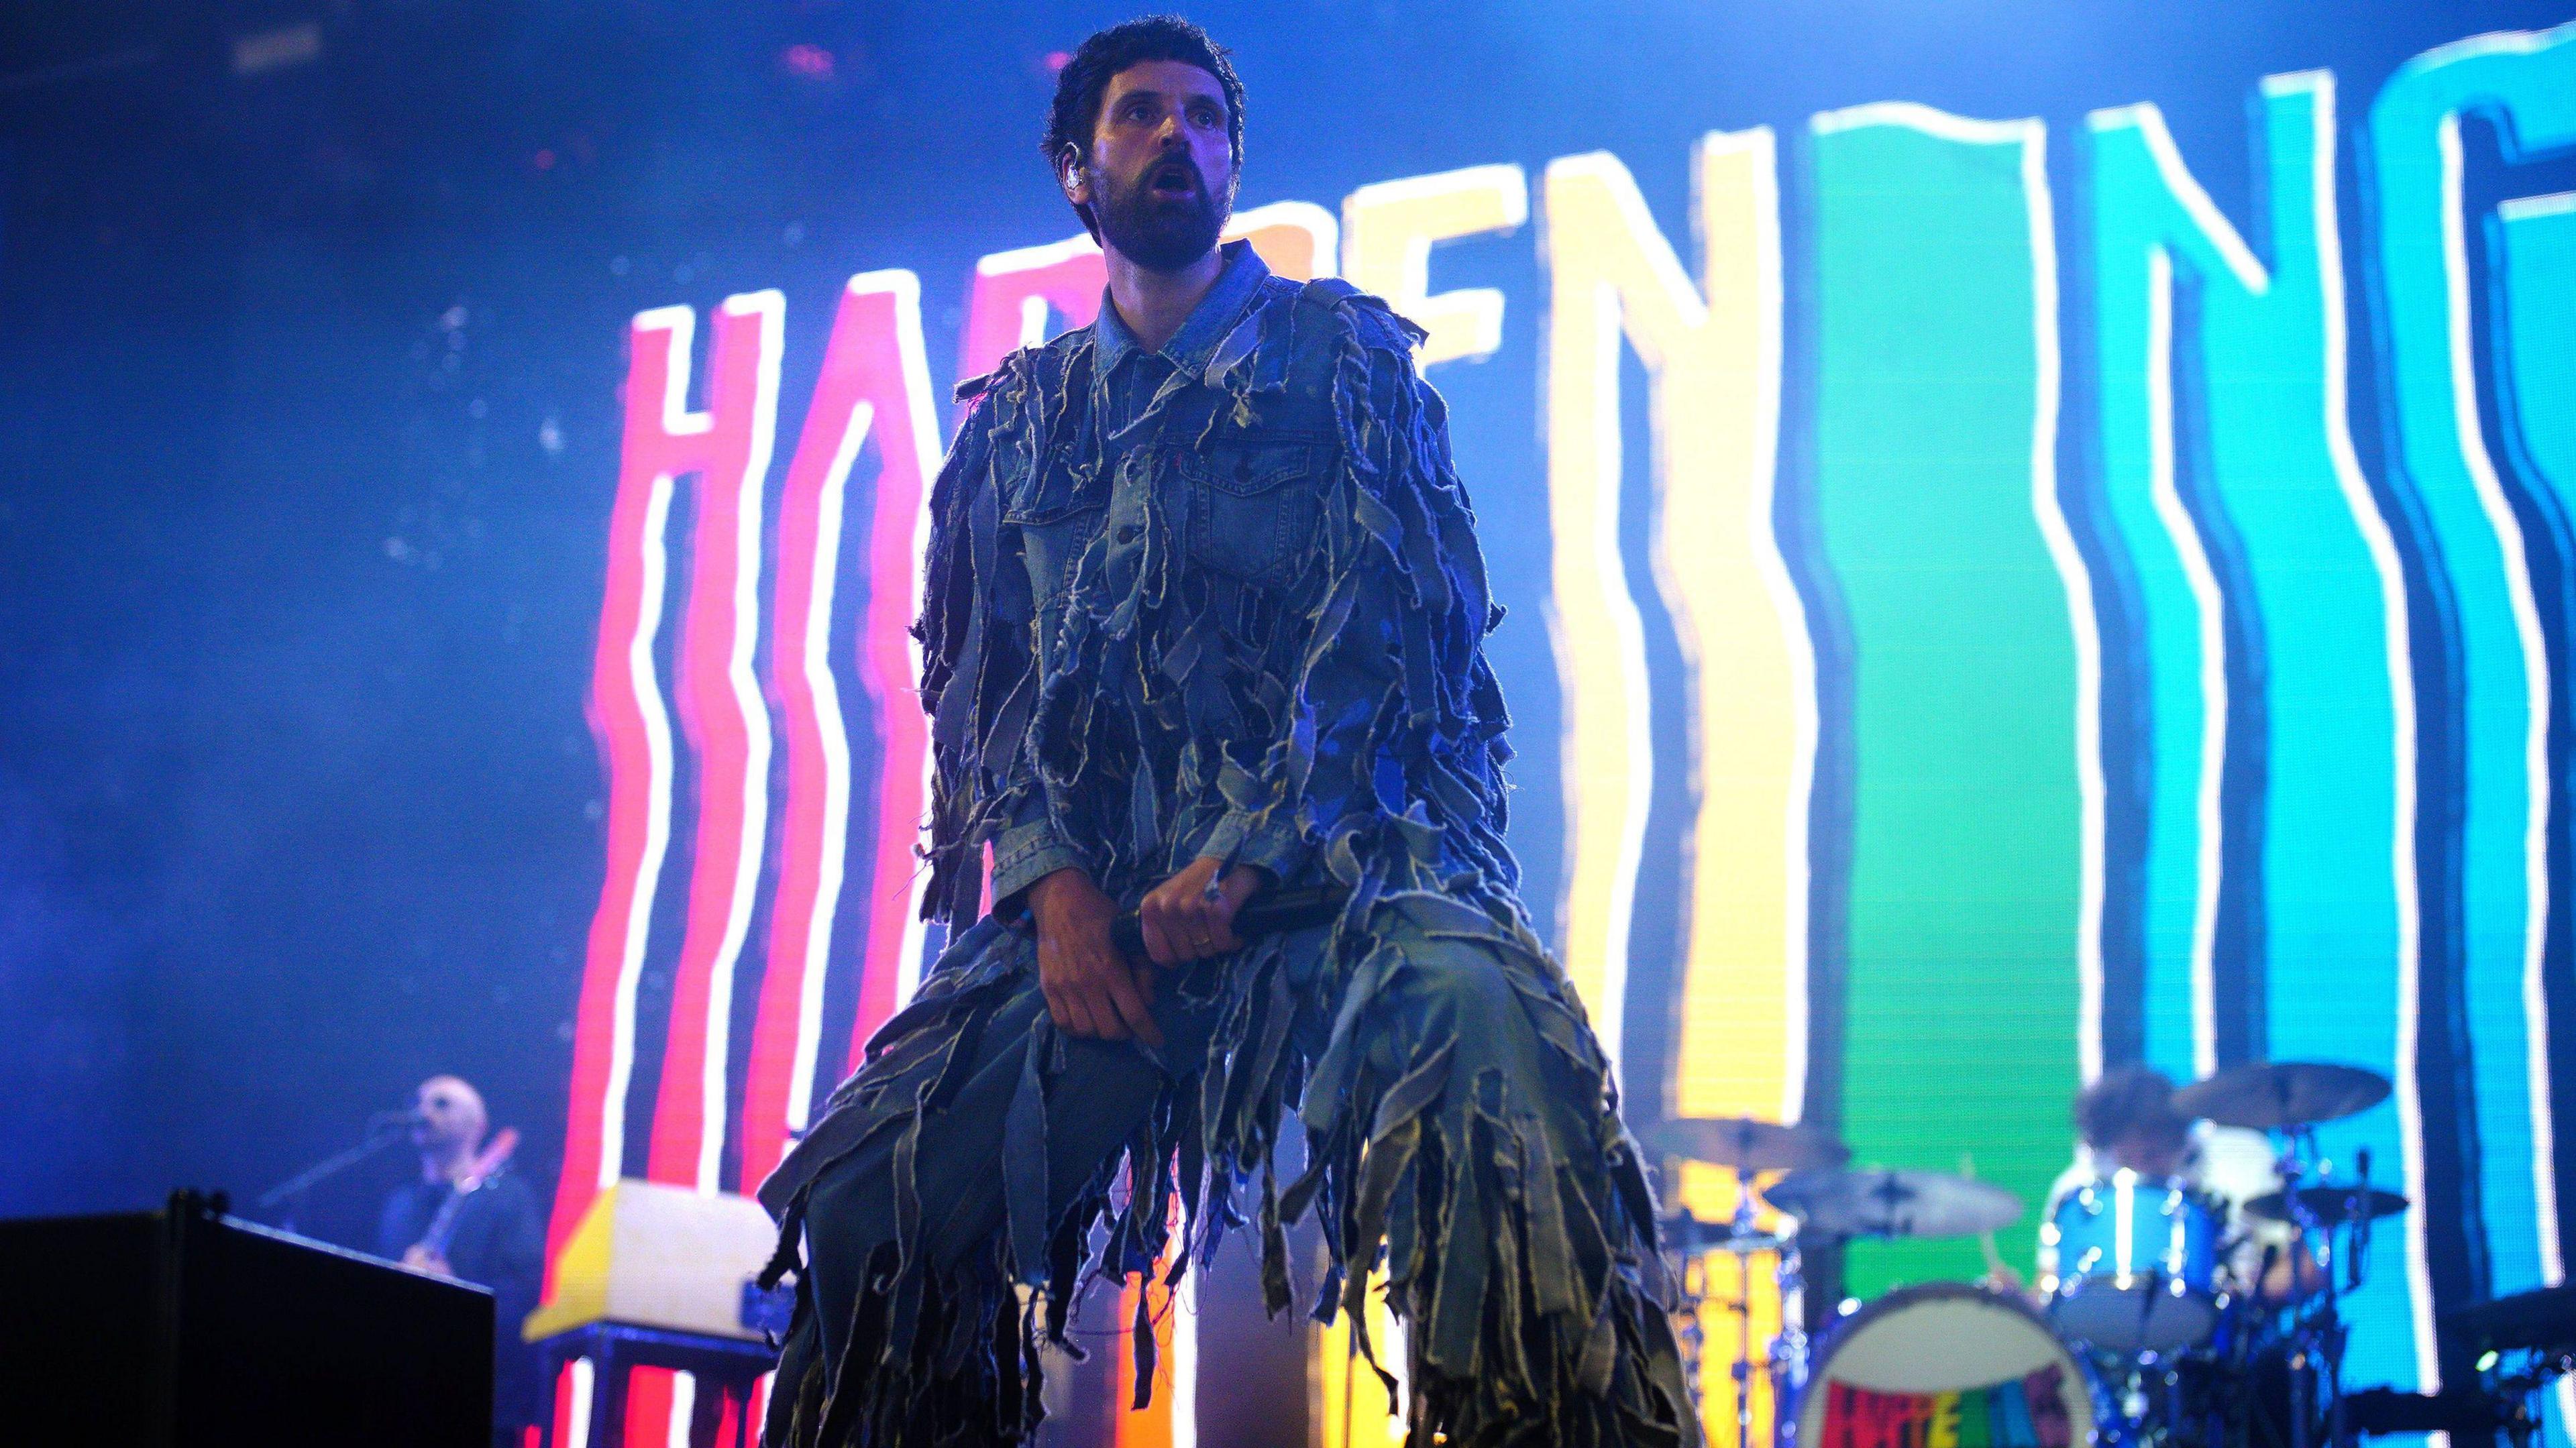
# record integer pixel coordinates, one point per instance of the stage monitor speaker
(187, 1327)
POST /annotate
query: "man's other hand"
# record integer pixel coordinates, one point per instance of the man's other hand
(1184, 920)
(1091, 988)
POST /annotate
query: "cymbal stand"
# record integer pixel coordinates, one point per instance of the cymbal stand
(1789, 1349)
(2317, 1331)
(1693, 1280)
(1742, 1370)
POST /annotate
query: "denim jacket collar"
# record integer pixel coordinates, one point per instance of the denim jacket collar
(1196, 341)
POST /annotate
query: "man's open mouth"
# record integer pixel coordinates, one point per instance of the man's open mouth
(1173, 178)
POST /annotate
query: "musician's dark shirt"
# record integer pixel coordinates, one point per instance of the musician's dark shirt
(499, 1242)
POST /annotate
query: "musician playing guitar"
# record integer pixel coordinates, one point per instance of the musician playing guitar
(467, 1217)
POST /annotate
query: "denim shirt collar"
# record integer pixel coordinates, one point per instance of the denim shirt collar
(1196, 341)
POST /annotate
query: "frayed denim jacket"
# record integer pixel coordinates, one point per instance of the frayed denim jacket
(1224, 599)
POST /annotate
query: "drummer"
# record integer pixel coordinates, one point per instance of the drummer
(2127, 1121)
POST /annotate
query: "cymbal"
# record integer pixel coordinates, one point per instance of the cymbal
(2544, 1317)
(1880, 1202)
(1690, 1236)
(2276, 1094)
(1745, 1143)
(2329, 1204)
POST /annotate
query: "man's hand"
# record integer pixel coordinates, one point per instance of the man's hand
(1091, 988)
(1185, 920)
(421, 1259)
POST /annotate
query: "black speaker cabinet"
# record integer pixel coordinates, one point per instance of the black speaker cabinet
(187, 1327)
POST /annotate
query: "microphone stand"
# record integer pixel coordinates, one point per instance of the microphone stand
(381, 1133)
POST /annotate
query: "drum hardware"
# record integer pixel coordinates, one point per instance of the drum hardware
(2180, 1357)
(1789, 1349)
(1689, 1236)
(1746, 1145)
(2328, 1203)
(2282, 1095)
(1694, 1240)
(2317, 1333)
(1836, 1205)
(1741, 1370)
(1887, 1202)
(2144, 1341)
(2290, 1099)
(2137, 1265)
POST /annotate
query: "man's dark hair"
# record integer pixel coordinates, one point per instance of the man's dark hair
(1082, 83)
(2124, 1100)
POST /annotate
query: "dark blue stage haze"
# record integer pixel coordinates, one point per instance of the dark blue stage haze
(314, 320)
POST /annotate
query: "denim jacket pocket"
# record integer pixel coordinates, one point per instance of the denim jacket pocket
(1055, 510)
(1253, 503)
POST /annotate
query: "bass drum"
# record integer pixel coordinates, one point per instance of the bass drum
(1945, 1363)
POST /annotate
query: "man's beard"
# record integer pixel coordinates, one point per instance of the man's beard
(1158, 233)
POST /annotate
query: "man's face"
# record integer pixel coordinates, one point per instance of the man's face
(451, 1113)
(2154, 1149)
(1159, 178)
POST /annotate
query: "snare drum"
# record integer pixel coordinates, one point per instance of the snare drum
(1945, 1362)
(2137, 1265)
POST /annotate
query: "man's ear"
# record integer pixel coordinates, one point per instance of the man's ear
(1070, 175)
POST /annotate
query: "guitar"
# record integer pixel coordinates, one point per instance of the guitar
(429, 1254)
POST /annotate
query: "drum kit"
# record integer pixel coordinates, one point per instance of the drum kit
(2171, 1321)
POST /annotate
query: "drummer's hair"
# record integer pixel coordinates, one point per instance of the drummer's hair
(2123, 1100)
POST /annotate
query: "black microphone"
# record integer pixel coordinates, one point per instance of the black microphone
(1271, 912)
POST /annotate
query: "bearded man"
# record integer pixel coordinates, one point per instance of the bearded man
(1205, 614)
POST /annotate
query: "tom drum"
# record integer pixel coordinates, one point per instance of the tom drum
(2137, 1265)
